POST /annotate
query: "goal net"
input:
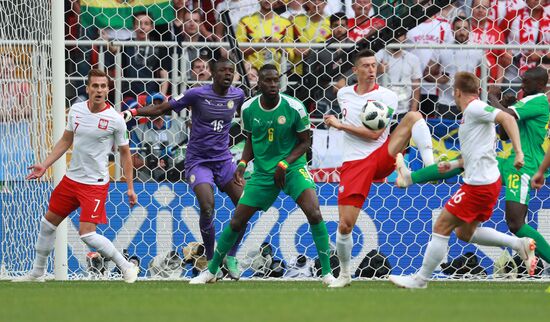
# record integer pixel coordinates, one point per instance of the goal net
(158, 48)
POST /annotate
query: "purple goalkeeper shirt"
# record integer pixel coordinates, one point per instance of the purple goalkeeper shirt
(211, 117)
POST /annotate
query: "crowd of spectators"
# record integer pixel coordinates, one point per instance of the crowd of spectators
(422, 78)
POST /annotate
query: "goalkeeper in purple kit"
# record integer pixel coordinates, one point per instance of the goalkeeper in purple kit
(208, 161)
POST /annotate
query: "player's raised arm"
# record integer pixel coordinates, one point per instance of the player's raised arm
(538, 179)
(511, 127)
(59, 149)
(151, 110)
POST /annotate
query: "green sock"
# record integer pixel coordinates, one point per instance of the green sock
(543, 249)
(430, 173)
(227, 239)
(320, 237)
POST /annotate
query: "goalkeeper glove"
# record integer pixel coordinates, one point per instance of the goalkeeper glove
(129, 114)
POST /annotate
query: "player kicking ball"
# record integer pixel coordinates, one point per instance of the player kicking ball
(473, 203)
(532, 114)
(278, 136)
(92, 128)
(208, 160)
(368, 155)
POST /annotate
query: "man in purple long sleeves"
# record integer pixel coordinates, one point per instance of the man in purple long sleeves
(208, 161)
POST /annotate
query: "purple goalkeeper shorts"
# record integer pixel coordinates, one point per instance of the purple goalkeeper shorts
(218, 173)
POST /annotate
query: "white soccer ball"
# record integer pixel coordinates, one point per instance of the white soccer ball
(375, 115)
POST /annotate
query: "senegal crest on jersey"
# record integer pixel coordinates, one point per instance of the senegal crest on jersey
(281, 120)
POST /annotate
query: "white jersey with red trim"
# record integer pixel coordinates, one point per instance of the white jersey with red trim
(477, 136)
(504, 11)
(431, 31)
(351, 103)
(94, 137)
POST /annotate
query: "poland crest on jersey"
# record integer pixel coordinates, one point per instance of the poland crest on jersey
(103, 124)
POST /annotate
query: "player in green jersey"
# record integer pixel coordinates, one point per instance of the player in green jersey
(278, 136)
(532, 114)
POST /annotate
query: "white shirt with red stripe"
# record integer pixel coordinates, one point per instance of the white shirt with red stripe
(431, 31)
(365, 28)
(351, 103)
(525, 30)
(94, 137)
(504, 11)
(477, 136)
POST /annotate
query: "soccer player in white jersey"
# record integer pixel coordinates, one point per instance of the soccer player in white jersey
(93, 127)
(368, 155)
(473, 203)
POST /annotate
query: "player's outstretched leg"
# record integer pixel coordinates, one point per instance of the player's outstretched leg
(227, 240)
(309, 204)
(405, 177)
(106, 248)
(515, 218)
(486, 236)
(44, 246)
(412, 126)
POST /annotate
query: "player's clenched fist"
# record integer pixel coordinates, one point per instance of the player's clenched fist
(519, 161)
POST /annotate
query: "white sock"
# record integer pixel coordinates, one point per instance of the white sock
(423, 139)
(44, 246)
(435, 253)
(106, 248)
(344, 243)
(490, 237)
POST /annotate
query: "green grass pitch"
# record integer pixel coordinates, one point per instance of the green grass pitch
(272, 301)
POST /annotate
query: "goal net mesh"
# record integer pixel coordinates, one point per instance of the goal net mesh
(158, 48)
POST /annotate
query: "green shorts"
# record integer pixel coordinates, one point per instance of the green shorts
(517, 182)
(260, 190)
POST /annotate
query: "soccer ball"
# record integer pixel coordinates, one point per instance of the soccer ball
(375, 115)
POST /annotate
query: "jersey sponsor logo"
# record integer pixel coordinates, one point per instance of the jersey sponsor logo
(281, 120)
(230, 104)
(207, 101)
(103, 124)
(257, 120)
(94, 216)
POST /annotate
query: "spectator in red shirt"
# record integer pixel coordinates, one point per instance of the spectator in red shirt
(363, 24)
(530, 27)
(487, 32)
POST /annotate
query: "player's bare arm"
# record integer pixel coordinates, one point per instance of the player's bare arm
(151, 110)
(360, 131)
(128, 167)
(446, 166)
(511, 128)
(538, 179)
(38, 169)
(248, 155)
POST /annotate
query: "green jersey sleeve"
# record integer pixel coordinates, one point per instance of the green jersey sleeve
(531, 107)
(302, 119)
(245, 116)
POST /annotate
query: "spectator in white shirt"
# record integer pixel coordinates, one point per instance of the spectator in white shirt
(447, 62)
(399, 70)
